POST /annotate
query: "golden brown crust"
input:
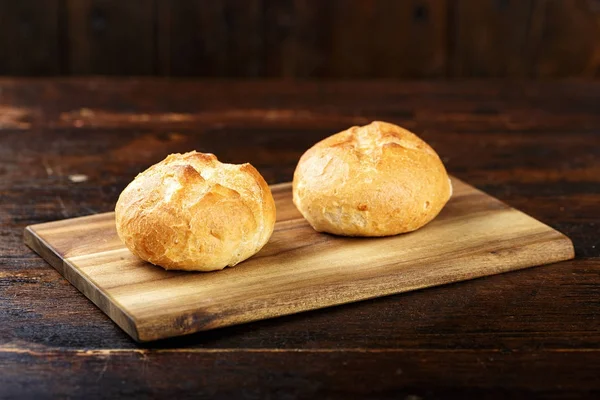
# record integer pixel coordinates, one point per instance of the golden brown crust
(192, 212)
(374, 180)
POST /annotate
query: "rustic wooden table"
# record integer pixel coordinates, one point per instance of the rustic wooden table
(68, 147)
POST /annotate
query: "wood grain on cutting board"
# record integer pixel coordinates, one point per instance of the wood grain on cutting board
(298, 270)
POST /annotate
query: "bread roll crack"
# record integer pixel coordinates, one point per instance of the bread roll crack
(374, 180)
(192, 212)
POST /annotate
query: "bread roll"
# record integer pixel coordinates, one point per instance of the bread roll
(373, 180)
(191, 212)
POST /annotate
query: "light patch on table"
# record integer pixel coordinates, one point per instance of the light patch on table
(78, 178)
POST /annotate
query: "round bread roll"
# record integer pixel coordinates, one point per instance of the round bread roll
(373, 180)
(191, 212)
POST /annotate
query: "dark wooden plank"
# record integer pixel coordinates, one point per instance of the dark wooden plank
(195, 34)
(387, 38)
(305, 38)
(296, 37)
(163, 29)
(566, 34)
(477, 106)
(29, 37)
(302, 38)
(331, 374)
(537, 38)
(409, 39)
(111, 37)
(212, 38)
(491, 38)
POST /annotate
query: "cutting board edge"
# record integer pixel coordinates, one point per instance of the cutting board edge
(475, 188)
(562, 250)
(81, 282)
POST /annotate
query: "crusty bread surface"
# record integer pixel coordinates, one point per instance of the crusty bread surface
(192, 212)
(374, 180)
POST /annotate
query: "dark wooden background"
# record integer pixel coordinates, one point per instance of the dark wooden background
(403, 39)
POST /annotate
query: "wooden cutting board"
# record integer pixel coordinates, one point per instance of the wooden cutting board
(298, 270)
